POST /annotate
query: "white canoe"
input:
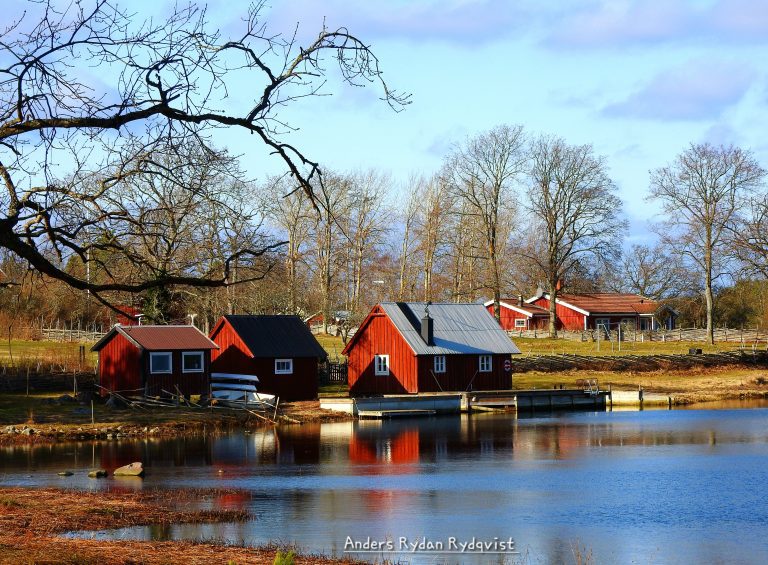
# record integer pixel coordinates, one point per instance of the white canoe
(238, 397)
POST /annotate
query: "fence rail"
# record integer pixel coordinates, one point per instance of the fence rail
(729, 335)
(640, 363)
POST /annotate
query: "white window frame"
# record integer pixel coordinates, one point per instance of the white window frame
(156, 354)
(381, 365)
(485, 363)
(520, 322)
(285, 371)
(439, 364)
(185, 354)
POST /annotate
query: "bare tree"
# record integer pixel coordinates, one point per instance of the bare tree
(291, 210)
(160, 83)
(749, 238)
(482, 173)
(574, 210)
(431, 228)
(701, 193)
(410, 210)
(649, 271)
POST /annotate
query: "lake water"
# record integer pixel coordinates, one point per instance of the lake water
(680, 486)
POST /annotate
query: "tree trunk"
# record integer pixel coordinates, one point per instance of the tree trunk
(708, 295)
(552, 309)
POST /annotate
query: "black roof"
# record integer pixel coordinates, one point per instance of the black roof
(276, 336)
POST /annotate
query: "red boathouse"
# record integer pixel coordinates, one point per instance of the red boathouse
(280, 350)
(406, 347)
(151, 359)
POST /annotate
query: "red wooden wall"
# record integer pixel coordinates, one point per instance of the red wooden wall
(233, 357)
(460, 371)
(188, 383)
(567, 319)
(380, 337)
(508, 317)
(120, 366)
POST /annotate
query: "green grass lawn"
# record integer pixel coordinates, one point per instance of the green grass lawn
(30, 352)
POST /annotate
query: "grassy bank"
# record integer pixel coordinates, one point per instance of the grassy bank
(32, 519)
(52, 419)
(691, 385)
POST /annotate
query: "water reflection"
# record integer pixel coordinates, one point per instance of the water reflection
(671, 486)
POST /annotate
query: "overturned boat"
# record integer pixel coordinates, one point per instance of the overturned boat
(237, 391)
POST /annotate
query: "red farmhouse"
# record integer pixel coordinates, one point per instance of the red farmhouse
(404, 347)
(280, 350)
(609, 309)
(516, 314)
(152, 359)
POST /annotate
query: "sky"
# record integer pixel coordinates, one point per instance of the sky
(638, 79)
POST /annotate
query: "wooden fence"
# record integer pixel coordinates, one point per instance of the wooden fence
(640, 363)
(333, 373)
(27, 379)
(730, 335)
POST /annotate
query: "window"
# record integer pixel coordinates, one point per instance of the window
(283, 366)
(519, 322)
(485, 363)
(381, 364)
(192, 362)
(439, 363)
(160, 362)
(603, 324)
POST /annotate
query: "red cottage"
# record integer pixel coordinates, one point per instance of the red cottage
(280, 350)
(411, 347)
(151, 359)
(607, 310)
(518, 315)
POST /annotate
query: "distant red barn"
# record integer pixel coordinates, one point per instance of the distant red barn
(403, 348)
(280, 350)
(516, 314)
(152, 359)
(607, 310)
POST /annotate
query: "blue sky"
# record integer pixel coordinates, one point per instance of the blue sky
(638, 79)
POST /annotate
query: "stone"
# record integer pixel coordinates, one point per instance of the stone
(65, 473)
(10, 430)
(27, 431)
(133, 470)
(97, 474)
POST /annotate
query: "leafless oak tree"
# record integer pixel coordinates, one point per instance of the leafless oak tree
(574, 210)
(650, 271)
(482, 173)
(701, 193)
(88, 92)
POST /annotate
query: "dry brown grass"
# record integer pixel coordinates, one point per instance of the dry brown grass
(30, 520)
(697, 384)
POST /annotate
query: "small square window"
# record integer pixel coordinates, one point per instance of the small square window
(283, 366)
(520, 322)
(485, 363)
(160, 362)
(192, 362)
(381, 365)
(439, 364)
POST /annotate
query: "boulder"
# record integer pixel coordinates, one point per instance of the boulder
(65, 473)
(133, 470)
(97, 474)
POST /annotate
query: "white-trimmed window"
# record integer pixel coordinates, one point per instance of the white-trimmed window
(283, 366)
(160, 362)
(439, 364)
(486, 363)
(192, 362)
(381, 364)
(519, 322)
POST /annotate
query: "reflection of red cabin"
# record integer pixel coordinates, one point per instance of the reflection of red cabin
(607, 310)
(152, 359)
(280, 350)
(454, 347)
(519, 315)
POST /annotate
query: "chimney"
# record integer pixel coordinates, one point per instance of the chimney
(519, 299)
(427, 329)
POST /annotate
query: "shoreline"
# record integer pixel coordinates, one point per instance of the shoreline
(32, 521)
